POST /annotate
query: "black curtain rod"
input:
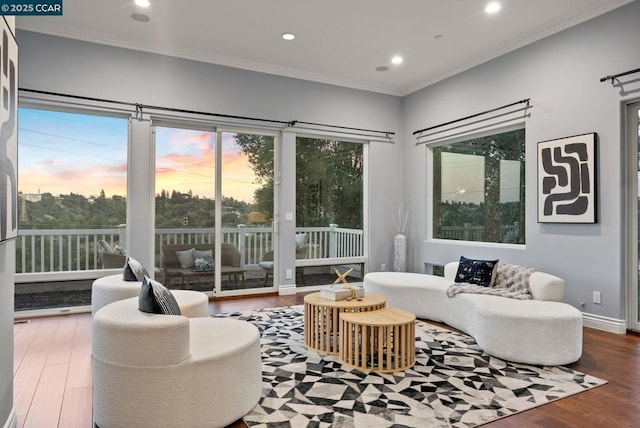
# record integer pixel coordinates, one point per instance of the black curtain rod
(388, 133)
(226, 116)
(472, 116)
(613, 77)
(77, 97)
(142, 106)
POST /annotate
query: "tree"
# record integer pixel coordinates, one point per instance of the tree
(259, 150)
(328, 179)
(493, 148)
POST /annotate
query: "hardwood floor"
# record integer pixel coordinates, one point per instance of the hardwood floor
(52, 374)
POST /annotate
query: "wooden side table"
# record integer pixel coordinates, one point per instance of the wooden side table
(321, 318)
(381, 341)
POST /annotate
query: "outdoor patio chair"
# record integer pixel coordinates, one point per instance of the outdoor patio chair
(302, 248)
(110, 257)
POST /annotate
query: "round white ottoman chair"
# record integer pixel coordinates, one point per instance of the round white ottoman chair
(192, 304)
(112, 288)
(157, 371)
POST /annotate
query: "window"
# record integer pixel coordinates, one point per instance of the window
(72, 187)
(479, 189)
(329, 204)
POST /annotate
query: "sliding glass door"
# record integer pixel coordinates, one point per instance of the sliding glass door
(214, 209)
(329, 210)
(185, 173)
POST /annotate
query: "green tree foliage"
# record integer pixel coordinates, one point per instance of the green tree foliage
(492, 214)
(75, 211)
(259, 150)
(328, 179)
(328, 183)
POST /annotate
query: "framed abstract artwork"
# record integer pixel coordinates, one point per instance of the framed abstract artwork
(8, 133)
(567, 180)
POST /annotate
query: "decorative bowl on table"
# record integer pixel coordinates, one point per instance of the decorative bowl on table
(203, 264)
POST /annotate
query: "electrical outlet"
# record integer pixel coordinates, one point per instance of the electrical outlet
(597, 297)
(383, 267)
(288, 274)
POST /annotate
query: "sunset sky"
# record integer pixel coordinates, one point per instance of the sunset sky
(60, 153)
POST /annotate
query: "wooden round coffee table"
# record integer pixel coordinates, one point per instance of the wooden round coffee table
(321, 318)
(381, 341)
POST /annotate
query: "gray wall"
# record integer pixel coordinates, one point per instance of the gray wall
(561, 76)
(81, 68)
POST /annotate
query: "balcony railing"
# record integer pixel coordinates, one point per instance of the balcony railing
(74, 250)
(508, 233)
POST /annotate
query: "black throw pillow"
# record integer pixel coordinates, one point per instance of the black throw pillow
(479, 272)
(155, 298)
(133, 270)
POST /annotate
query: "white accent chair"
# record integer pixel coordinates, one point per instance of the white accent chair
(157, 371)
(112, 288)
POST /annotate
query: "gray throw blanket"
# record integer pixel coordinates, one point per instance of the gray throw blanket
(512, 281)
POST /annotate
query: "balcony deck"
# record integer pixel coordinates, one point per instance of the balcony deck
(55, 268)
(78, 293)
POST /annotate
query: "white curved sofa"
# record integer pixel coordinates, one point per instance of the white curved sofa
(170, 371)
(541, 331)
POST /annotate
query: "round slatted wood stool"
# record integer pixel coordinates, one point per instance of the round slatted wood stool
(381, 341)
(321, 318)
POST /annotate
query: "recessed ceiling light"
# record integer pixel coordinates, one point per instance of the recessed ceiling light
(492, 7)
(288, 36)
(382, 68)
(143, 3)
(396, 60)
(140, 17)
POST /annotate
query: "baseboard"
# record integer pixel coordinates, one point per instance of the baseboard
(286, 289)
(612, 325)
(35, 313)
(308, 288)
(12, 421)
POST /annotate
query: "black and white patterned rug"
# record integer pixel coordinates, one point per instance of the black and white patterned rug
(453, 383)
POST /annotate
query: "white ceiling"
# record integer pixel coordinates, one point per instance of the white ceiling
(339, 42)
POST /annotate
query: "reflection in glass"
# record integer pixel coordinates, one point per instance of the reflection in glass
(479, 189)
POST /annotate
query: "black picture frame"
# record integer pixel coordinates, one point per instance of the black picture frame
(567, 179)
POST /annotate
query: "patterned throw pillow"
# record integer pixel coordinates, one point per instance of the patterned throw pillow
(513, 277)
(186, 258)
(133, 270)
(479, 272)
(155, 298)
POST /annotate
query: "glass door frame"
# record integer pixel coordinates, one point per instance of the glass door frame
(362, 260)
(217, 291)
(631, 121)
(186, 123)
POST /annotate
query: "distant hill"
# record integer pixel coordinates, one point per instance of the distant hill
(173, 209)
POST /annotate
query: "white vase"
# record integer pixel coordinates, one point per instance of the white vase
(400, 253)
